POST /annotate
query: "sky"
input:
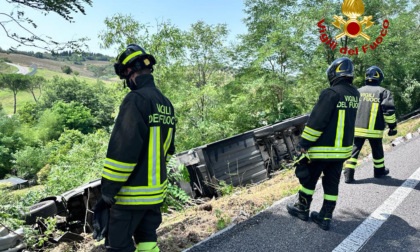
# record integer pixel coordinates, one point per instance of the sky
(181, 13)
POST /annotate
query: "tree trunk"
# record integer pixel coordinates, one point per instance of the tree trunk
(14, 96)
(33, 94)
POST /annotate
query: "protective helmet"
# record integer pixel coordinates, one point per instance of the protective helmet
(342, 67)
(135, 57)
(374, 73)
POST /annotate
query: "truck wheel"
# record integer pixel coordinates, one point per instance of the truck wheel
(42, 209)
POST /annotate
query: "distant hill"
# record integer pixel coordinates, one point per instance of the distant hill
(88, 68)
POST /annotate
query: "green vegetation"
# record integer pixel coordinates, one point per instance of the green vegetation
(66, 69)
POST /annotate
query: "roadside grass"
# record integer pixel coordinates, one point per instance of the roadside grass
(181, 230)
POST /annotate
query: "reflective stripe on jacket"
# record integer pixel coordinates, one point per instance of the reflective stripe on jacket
(328, 134)
(376, 108)
(141, 144)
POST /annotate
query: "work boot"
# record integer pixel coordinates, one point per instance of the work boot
(323, 218)
(300, 208)
(348, 175)
(380, 172)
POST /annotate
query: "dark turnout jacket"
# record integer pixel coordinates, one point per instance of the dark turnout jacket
(141, 143)
(329, 132)
(376, 108)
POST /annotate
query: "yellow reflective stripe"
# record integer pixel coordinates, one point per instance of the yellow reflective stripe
(373, 114)
(340, 128)
(353, 160)
(312, 131)
(378, 165)
(390, 119)
(129, 57)
(348, 165)
(154, 156)
(119, 166)
(140, 200)
(331, 197)
(329, 149)
(308, 137)
(115, 176)
(130, 190)
(307, 191)
(168, 140)
(147, 247)
(368, 133)
(142, 191)
(379, 160)
(330, 155)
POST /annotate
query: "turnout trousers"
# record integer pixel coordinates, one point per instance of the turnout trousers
(330, 180)
(124, 224)
(377, 152)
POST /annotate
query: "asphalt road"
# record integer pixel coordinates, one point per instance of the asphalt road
(21, 69)
(371, 215)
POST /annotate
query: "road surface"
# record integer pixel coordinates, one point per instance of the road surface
(22, 70)
(375, 215)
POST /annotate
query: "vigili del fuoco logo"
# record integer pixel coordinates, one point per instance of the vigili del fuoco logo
(352, 27)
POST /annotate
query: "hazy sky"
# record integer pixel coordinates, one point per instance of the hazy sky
(182, 13)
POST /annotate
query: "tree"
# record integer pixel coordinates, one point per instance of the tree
(14, 82)
(63, 8)
(11, 140)
(35, 83)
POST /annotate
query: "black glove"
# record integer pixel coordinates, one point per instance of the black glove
(302, 168)
(108, 200)
(100, 219)
(392, 132)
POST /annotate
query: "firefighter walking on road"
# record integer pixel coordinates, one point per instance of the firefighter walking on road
(376, 109)
(134, 178)
(327, 140)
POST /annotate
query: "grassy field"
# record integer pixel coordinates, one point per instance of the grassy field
(7, 69)
(7, 101)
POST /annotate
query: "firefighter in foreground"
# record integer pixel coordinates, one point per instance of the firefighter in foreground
(134, 179)
(376, 108)
(327, 140)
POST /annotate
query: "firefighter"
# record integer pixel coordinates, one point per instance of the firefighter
(376, 108)
(327, 140)
(134, 178)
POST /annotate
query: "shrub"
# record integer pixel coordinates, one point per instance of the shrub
(29, 161)
(66, 69)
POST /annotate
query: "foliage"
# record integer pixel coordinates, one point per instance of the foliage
(176, 197)
(27, 37)
(223, 220)
(82, 163)
(29, 160)
(224, 188)
(99, 98)
(66, 69)
(11, 140)
(14, 82)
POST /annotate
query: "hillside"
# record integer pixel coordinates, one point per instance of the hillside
(53, 65)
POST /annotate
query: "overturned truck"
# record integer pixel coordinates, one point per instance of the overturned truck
(246, 158)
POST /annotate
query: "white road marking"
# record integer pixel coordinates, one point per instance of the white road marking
(356, 240)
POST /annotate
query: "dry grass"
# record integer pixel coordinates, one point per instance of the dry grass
(182, 230)
(51, 65)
